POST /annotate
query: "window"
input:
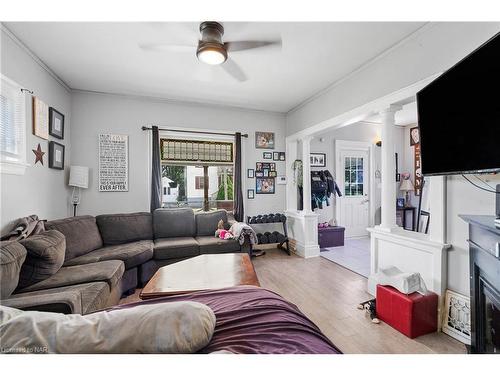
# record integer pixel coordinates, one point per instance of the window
(186, 164)
(199, 182)
(353, 176)
(12, 127)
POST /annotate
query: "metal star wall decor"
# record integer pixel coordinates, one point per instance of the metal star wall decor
(38, 154)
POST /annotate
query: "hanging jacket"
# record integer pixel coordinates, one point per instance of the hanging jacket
(332, 185)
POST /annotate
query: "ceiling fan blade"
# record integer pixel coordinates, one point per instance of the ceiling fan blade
(164, 47)
(243, 45)
(234, 70)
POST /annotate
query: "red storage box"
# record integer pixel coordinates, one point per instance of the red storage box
(413, 315)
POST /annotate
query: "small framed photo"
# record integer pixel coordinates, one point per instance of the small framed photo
(272, 174)
(259, 174)
(264, 185)
(56, 155)
(317, 159)
(267, 155)
(414, 136)
(250, 193)
(266, 172)
(400, 203)
(276, 156)
(281, 180)
(273, 166)
(264, 140)
(282, 156)
(250, 173)
(56, 123)
(40, 118)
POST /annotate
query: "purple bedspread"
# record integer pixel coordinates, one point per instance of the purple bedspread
(252, 320)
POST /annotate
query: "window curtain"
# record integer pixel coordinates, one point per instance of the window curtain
(237, 191)
(155, 170)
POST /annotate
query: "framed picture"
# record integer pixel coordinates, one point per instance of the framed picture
(264, 140)
(414, 136)
(40, 118)
(266, 172)
(281, 180)
(317, 159)
(56, 155)
(282, 156)
(400, 202)
(250, 173)
(259, 174)
(56, 123)
(272, 174)
(264, 185)
(276, 156)
(267, 155)
(250, 193)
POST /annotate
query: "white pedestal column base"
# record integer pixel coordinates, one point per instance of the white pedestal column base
(303, 229)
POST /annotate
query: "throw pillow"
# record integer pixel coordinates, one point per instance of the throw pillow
(45, 257)
(172, 327)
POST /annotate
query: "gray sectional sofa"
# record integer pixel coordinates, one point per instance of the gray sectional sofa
(103, 257)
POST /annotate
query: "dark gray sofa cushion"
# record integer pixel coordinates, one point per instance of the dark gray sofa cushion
(75, 299)
(12, 256)
(122, 228)
(176, 247)
(132, 254)
(81, 232)
(174, 222)
(214, 245)
(45, 257)
(207, 222)
(109, 271)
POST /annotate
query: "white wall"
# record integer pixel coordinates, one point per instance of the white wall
(431, 50)
(41, 190)
(99, 113)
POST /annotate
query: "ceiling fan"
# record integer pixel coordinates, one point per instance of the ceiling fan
(212, 50)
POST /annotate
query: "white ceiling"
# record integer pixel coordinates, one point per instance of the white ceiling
(105, 57)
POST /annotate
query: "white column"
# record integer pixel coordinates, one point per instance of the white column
(388, 202)
(306, 169)
(291, 187)
(436, 186)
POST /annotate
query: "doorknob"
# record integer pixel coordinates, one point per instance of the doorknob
(365, 201)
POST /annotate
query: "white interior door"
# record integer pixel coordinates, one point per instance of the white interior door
(355, 186)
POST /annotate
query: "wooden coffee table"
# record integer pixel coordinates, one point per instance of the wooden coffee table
(208, 271)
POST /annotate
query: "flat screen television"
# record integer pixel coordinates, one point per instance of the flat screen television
(459, 116)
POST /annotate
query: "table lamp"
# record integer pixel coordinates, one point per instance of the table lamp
(406, 186)
(78, 178)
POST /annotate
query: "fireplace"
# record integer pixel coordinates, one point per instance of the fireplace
(484, 253)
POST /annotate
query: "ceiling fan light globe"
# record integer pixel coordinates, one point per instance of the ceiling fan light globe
(212, 55)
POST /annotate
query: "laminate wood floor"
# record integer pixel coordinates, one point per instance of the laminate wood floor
(329, 294)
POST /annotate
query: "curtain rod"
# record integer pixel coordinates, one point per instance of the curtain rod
(193, 131)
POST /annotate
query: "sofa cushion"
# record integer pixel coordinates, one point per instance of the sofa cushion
(174, 222)
(122, 228)
(109, 271)
(177, 247)
(132, 254)
(214, 245)
(45, 257)
(12, 256)
(74, 299)
(81, 232)
(207, 222)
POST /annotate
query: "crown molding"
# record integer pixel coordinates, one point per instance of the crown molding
(160, 99)
(362, 67)
(35, 58)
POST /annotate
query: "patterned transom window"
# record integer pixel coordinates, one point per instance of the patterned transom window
(353, 176)
(181, 150)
